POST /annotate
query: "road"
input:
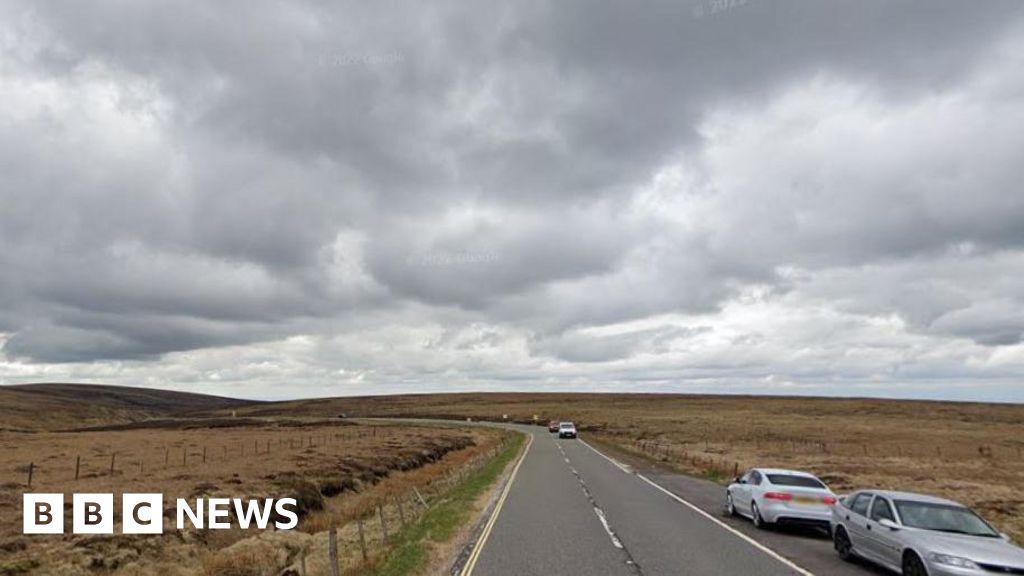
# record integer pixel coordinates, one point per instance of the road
(571, 510)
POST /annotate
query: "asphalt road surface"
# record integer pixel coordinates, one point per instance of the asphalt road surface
(570, 510)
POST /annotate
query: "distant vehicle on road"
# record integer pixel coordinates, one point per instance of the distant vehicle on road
(553, 426)
(918, 535)
(566, 430)
(770, 496)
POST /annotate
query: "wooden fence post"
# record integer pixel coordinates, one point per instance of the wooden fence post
(383, 523)
(78, 465)
(113, 455)
(31, 468)
(332, 550)
(362, 538)
(420, 496)
(401, 512)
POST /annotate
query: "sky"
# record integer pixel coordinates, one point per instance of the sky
(307, 198)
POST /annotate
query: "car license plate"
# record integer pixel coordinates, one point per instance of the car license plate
(807, 500)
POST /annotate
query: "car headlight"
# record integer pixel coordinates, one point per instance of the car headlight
(947, 560)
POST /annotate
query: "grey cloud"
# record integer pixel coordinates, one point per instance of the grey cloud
(976, 296)
(644, 75)
(140, 339)
(481, 258)
(182, 180)
(576, 346)
(991, 323)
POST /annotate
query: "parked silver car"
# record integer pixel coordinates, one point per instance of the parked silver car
(770, 496)
(918, 535)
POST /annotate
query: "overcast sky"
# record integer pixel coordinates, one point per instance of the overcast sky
(283, 199)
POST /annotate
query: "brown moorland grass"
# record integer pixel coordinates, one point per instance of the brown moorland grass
(338, 471)
(56, 406)
(970, 452)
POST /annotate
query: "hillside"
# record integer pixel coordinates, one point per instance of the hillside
(62, 406)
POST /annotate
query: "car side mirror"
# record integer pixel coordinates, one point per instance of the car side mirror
(888, 524)
(740, 480)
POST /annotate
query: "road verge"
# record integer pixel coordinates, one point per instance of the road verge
(414, 546)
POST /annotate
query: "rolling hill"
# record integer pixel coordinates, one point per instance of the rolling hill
(54, 406)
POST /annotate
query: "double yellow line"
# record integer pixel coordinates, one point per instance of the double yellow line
(471, 563)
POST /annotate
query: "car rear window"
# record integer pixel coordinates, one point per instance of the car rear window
(860, 504)
(797, 481)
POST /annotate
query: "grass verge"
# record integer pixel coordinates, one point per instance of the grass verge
(631, 456)
(411, 546)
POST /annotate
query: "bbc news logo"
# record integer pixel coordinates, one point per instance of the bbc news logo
(144, 513)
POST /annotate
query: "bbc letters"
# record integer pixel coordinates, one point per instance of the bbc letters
(144, 513)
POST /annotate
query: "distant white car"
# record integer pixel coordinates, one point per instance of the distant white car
(770, 496)
(566, 430)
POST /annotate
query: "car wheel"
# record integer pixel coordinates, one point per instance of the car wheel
(730, 508)
(912, 565)
(756, 515)
(842, 544)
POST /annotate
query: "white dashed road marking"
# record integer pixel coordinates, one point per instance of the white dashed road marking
(607, 528)
(616, 542)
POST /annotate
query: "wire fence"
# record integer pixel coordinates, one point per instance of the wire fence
(719, 459)
(335, 542)
(353, 545)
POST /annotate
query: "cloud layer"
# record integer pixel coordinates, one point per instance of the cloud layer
(291, 199)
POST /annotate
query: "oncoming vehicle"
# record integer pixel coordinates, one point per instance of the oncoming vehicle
(918, 535)
(566, 430)
(770, 496)
(553, 426)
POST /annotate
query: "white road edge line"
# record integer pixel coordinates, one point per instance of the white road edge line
(734, 531)
(482, 541)
(615, 462)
